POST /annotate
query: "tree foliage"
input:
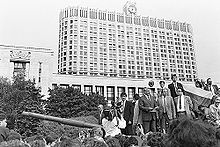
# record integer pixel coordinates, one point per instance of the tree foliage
(18, 96)
(69, 102)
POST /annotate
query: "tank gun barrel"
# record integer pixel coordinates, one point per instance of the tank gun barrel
(65, 121)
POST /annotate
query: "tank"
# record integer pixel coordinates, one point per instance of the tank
(65, 121)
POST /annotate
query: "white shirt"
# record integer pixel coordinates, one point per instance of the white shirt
(110, 127)
(182, 99)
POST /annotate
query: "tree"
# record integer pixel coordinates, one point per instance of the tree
(18, 96)
(69, 102)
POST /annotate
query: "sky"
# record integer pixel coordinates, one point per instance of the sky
(35, 23)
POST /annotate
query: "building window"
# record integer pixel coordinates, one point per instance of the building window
(64, 85)
(78, 87)
(88, 89)
(40, 71)
(131, 92)
(120, 90)
(100, 90)
(19, 68)
(110, 92)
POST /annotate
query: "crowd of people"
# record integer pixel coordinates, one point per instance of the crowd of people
(165, 118)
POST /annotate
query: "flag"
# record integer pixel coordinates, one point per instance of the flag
(198, 96)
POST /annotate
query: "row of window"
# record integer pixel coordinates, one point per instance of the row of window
(110, 90)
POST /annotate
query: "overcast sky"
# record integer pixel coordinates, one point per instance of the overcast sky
(35, 23)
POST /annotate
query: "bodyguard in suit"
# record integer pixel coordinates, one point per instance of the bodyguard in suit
(128, 113)
(167, 110)
(174, 86)
(184, 105)
(148, 106)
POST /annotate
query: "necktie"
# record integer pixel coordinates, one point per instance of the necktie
(162, 91)
(180, 107)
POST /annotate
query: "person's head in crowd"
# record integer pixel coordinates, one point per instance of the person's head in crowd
(113, 142)
(13, 136)
(155, 139)
(38, 143)
(139, 139)
(107, 115)
(198, 83)
(202, 110)
(147, 91)
(100, 107)
(98, 132)
(121, 139)
(209, 81)
(174, 77)
(131, 142)
(217, 101)
(64, 137)
(162, 84)
(189, 133)
(123, 96)
(83, 134)
(57, 144)
(49, 140)
(3, 120)
(173, 124)
(92, 142)
(33, 138)
(76, 143)
(67, 143)
(180, 92)
(136, 97)
(13, 143)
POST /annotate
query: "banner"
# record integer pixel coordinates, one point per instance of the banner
(198, 96)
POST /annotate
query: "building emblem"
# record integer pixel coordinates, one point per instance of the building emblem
(20, 55)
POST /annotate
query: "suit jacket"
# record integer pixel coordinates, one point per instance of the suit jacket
(188, 105)
(173, 90)
(128, 111)
(144, 105)
(169, 107)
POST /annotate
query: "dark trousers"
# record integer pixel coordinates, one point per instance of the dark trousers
(163, 120)
(128, 130)
(149, 126)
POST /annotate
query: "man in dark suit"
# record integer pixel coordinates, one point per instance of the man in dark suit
(174, 86)
(128, 113)
(148, 106)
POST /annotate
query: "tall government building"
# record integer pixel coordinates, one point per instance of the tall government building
(104, 43)
(108, 53)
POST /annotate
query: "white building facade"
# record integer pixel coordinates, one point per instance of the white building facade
(104, 43)
(36, 63)
(108, 53)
